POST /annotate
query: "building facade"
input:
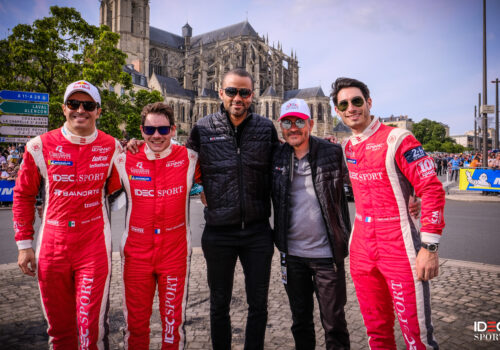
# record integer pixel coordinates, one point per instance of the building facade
(401, 121)
(187, 69)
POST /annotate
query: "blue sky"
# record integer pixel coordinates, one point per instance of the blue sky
(421, 58)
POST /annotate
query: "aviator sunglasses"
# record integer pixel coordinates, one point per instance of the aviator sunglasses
(287, 123)
(89, 106)
(150, 130)
(356, 101)
(232, 91)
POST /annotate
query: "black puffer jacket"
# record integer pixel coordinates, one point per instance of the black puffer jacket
(328, 172)
(236, 178)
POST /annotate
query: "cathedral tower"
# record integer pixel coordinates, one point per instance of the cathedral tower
(130, 19)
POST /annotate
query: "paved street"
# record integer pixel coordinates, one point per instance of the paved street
(464, 292)
(470, 233)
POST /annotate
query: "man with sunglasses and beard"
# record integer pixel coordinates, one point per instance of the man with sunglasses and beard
(391, 260)
(235, 149)
(156, 244)
(311, 227)
(74, 164)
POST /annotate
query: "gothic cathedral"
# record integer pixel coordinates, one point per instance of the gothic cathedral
(188, 69)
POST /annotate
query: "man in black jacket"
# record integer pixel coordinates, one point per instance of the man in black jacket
(235, 149)
(311, 227)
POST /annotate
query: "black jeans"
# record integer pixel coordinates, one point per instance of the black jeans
(306, 276)
(221, 248)
(454, 173)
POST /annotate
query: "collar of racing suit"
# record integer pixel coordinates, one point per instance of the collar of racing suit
(79, 140)
(369, 131)
(157, 155)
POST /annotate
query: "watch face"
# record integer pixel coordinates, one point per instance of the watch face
(432, 247)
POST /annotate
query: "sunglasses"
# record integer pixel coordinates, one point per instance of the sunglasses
(89, 106)
(232, 91)
(287, 123)
(356, 101)
(150, 130)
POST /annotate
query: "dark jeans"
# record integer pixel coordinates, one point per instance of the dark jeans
(306, 276)
(221, 248)
(454, 173)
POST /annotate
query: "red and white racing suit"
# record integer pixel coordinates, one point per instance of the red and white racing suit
(73, 249)
(156, 244)
(386, 166)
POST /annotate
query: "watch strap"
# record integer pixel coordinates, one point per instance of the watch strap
(432, 247)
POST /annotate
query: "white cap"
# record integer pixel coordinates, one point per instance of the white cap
(82, 86)
(295, 107)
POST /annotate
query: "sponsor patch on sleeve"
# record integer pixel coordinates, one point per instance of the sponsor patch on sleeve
(425, 168)
(415, 154)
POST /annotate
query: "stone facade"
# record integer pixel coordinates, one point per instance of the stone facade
(188, 69)
(401, 121)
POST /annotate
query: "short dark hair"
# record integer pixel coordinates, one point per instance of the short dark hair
(239, 72)
(342, 83)
(159, 108)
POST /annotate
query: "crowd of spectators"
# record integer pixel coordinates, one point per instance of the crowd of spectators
(449, 162)
(10, 160)
(11, 157)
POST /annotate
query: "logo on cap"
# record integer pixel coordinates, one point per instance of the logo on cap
(81, 85)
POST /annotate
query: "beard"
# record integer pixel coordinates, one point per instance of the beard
(237, 109)
(296, 141)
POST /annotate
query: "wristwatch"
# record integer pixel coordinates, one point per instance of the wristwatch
(431, 247)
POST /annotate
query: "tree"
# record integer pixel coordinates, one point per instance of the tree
(432, 146)
(432, 135)
(57, 50)
(451, 147)
(427, 130)
(114, 110)
(335, 121)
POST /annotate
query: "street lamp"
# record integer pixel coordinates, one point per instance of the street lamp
(495, 140)
(475, 129)
(485, 97)
(478, 148)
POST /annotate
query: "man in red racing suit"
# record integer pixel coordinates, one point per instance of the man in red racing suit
(156, 245)
(391, 261)
(73, 252)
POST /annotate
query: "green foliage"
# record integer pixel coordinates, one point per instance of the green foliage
(447, 146)
(133, 126)
(181, 132)
(428, 130)
(54, 51)
(451, 147)
(432, 146)
(144, 97)
(432, 135)
(336, 121)
(114, 108)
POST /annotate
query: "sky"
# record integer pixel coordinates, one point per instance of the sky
(420, 58)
